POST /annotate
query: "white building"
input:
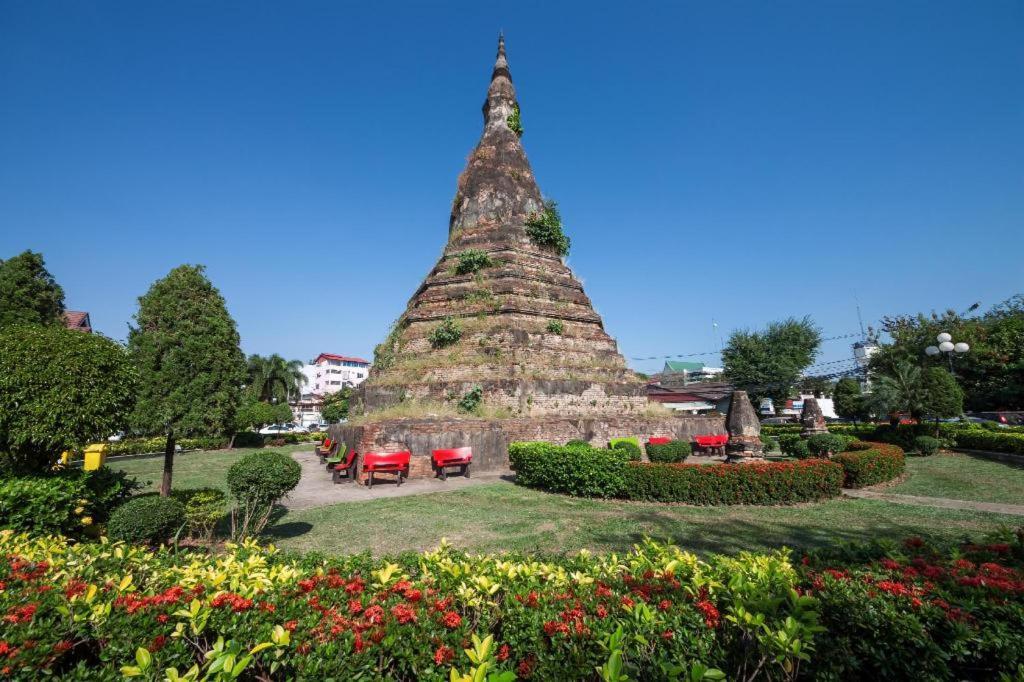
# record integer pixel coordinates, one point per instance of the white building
(329, 373)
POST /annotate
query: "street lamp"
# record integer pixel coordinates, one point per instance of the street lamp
(947, 346)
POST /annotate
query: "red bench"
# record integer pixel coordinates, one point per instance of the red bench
(659, 440)
(454, 457)
(386, 462)
(712, 443)
(329, 448)
(344, 469)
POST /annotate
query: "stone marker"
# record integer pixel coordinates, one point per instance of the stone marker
(812, 421)
(744, 430)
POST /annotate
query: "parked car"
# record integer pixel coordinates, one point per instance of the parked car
(779, 420)
(275, 430)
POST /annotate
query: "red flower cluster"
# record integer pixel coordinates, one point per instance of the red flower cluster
(21, 614)
(237, 602)
(133, 601)
(710, 612)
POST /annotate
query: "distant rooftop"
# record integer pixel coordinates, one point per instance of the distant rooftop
(78, 320)
(681, 366)
(340, 358)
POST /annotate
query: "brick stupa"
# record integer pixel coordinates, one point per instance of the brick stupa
(506, 311)
(530, 338)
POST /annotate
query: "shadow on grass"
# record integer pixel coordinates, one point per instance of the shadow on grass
(291, 529)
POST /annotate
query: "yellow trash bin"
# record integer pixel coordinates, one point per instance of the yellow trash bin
(95, 456)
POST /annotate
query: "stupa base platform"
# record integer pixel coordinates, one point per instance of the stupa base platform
(490, 438)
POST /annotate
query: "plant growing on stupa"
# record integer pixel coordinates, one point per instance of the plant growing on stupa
(472, 260)
(545, 229)
(515, 123)
(446, 333)
(471, 401)
(555, 327)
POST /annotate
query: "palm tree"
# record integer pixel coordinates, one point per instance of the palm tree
(274, 378)
(901, 390)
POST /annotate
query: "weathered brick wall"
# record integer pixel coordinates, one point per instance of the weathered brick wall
(490, 439)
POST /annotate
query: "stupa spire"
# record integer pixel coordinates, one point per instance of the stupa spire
(501, 95)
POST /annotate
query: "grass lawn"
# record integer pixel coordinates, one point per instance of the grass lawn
(199, 469)
(502, 516)
(962, 477)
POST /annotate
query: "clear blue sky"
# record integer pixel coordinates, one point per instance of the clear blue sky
(737, 161)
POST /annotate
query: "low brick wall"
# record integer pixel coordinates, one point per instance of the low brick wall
(490, 438)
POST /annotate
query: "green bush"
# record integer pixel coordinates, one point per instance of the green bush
(555, 327)
(204, 509)
(577, 443)
(249, 439)
(793, 445)
(545, 229)
(867, 464)
(926, 445)
(65, 502)
(146, 446)
(447, 332)
(669, 453)
(630, 445)
(257, 482)
(753, 483)
(576, 470)
(826, 444)
(995, 441)
(60, 389)
(472, 260)
(147, 519)
(471, 401)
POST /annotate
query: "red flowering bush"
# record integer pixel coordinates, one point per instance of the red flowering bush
(917, 612)
(755, 483)
(865, 463)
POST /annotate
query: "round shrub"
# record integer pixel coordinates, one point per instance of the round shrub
(575, 470)
(576, 443)
(66, 502)
(867, 463)
(150, 519)
(628, 445)
(204, 508)
(826, 444)
(257, 482)
(926, 445)
(669, 453)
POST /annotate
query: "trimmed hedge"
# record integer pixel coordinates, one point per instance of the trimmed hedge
(867, 463)
(926, 446)
(576, 470)
(672, 452)
(631, 445)
(589, 472)
(755, 483)
(150, 518)
(996, 441)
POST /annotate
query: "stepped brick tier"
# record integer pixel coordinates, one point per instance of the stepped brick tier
(812, 420)
(490, 438)
(744, 430)
(530, 338)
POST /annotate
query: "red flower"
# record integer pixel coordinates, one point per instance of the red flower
(664, 605)
(291, 625)
(358, 644)
(890, 564)
(355, 607)
(308, 585)
(601, 611)
(374, 614)
(667, 635)
(267, 607)
(21, 614)
(603, 590)
(237, 602)
(75, 588)
(451, 620)
(413, 594)
(711, 614)
(403, 613)
(62, 646)
(356, 586)
(162, 618)
(442, 604)
(504, 652)
(627, 602)
(914, 543)
(157, 644)
(443, 655)
(525, 667)
(553, 627)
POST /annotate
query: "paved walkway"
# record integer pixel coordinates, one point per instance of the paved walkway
(316, 489)
(941, 502)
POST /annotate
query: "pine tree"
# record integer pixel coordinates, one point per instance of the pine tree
(28, 292)
(186, 348)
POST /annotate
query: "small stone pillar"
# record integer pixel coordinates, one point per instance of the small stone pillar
(744, 430)
(812, 421)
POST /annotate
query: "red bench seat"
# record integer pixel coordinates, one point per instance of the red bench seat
(386, 462)
(345, 469)
(712, 442)
(453, 457)
(659, 440)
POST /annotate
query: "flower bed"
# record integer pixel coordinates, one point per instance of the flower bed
(756, 483)
(866, 463)
(102, 609)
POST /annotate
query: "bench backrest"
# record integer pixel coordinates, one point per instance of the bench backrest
(351, 458)
(461, 454)
(659, 440)
(326, 445)
(712, 440)
(395, 459)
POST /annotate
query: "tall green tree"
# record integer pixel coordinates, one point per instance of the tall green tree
(944, 398)
(28, 292)
(335, 407)
(186, 348)
(274, 378)
(768, 364)
(901, 389)
(848, 400)
(991, 374)
(59, 390)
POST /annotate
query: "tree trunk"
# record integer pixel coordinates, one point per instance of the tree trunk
(165, 483)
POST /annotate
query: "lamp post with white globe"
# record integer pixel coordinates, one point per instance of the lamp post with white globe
(947, 346)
